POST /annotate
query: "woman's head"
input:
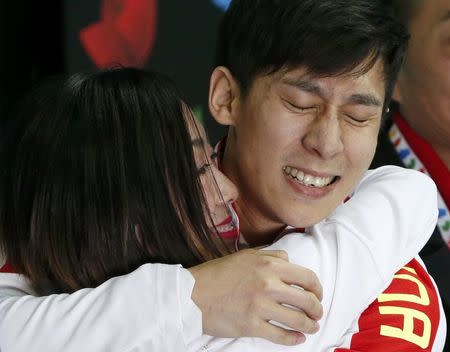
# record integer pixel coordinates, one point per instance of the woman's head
(98, 177)
(217, 188)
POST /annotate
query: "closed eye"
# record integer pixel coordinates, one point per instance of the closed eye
(214, 156)
(299, 108)
(203, 168)
(357, 120)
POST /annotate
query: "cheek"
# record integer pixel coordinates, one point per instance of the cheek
(278, 132)
(208, 192)
(257, 137)
(442, 78)
(445, 48)
(360, 150)
(429, 67)
(270, 150)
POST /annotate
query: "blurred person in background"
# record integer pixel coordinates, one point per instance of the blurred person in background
(417, 134)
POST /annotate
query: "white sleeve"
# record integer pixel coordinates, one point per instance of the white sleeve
(357, 250)
(151, 306)
(355, 253)
(393, 212)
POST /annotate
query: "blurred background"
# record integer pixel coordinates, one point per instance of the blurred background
(39, 39)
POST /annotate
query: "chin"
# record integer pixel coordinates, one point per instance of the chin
(304, 221)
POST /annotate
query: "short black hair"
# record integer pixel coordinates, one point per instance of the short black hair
(98, 177)
(329, 37)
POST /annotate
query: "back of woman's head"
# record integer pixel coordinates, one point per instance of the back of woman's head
(98, 177)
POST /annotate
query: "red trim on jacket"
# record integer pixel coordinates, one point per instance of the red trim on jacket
(439, 172)
(7, 268)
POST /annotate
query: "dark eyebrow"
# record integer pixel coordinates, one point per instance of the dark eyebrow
(365, 99)
(310, 87)
(305, 85)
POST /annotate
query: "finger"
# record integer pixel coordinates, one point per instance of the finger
(275, 253)
(279, 335)
(297, 275)
(303, 300)
(300, 299)
(290, 318)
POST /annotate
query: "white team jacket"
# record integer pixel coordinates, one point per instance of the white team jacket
(355, 253)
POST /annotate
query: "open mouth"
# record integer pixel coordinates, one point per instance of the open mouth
(308, 180)
(229, 227)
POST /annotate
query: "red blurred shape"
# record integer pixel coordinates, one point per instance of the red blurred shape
(124, 35)
(7, 268)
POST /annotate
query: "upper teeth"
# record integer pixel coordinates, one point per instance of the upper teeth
(306, 179)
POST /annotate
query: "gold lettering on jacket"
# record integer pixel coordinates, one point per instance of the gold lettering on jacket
(409, 315)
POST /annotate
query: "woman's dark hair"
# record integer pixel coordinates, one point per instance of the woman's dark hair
(329, 37)
(98, 177)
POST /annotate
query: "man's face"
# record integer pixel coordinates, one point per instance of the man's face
(323, 131)
(424, 83)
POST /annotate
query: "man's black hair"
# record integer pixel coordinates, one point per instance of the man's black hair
(405, 10)
(329, 37)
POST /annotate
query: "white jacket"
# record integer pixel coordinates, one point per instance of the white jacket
(355, 252)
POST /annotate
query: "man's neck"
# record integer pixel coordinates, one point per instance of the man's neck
(435, 137)
(256, 228)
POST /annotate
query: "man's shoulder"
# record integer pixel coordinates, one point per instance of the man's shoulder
(407, 316)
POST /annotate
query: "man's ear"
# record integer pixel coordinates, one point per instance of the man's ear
(396, 94)
(397, 91)
(223, 96)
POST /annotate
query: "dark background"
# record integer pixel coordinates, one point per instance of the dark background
(31, 47)
(39, 39)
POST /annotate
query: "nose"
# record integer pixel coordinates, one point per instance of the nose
(324, 138)
(228, 190)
